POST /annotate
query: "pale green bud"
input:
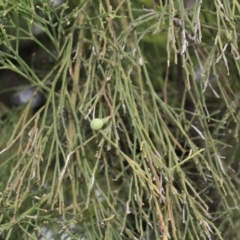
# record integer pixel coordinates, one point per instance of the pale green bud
(97, 123)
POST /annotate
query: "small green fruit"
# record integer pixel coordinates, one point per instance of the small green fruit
(97, 123)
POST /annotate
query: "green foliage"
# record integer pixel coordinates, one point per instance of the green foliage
(165, 76)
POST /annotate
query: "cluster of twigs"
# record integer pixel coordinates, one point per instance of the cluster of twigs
(165, 164)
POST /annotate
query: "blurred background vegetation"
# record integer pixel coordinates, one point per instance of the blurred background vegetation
(165, 165)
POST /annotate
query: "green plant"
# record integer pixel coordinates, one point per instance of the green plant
(166, 163)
